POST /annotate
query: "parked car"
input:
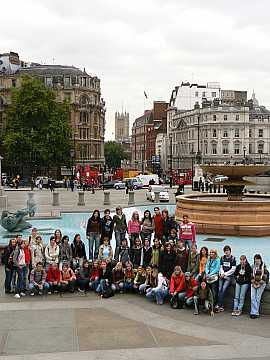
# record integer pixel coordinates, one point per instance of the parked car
(163, 193)
(113, 184)
(134, 183)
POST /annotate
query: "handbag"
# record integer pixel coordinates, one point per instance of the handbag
(211, 279)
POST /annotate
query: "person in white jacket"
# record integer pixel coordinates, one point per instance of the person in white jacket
(160, 292)
(51, 252)
(227, 269)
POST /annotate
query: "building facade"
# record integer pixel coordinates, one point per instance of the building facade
(121, 126)
(218, 132)
(81, 90)
(144, 134)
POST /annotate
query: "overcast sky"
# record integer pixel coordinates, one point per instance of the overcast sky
(149, 45)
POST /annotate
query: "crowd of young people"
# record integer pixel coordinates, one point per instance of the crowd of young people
(153, 256)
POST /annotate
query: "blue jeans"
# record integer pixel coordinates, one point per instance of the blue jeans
(147, 236)
(157, 294)
(188, 244)
(128, 285)
(93, 284)
(239, 296)
(119, 236)
(36, 289)
(256, 295)
(223, 286)
(21, 273)
(94, 241)
(8, 279)
(102, 286)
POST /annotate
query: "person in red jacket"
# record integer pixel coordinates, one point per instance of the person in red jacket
(27, 254)
(191, 286)
(177, 285)
(158, 221)
(53, 278)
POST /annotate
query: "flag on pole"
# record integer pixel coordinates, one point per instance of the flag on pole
(145, 95)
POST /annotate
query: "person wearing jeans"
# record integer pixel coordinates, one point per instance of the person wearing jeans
(120, 226)
(93, 234)
(7, 260)
(212, 268)
(259, 279)
(160, 292)
(20, 266)
(242, 277)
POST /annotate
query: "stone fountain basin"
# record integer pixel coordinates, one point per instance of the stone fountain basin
(215, 214)
(235, 171)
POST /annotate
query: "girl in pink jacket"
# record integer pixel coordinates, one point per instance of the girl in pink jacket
(134, 228)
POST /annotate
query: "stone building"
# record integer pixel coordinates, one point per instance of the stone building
(121, 126)
(144, 134)
(219, 132)
(81, 90)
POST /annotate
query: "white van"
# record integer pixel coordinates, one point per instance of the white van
(146, 178)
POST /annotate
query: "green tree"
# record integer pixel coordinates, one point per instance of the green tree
(38, 131)
(114, 153)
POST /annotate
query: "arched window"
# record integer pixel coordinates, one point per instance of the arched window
(84, 100)
(84, 116)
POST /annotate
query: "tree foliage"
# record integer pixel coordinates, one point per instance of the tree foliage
(114, 153)
(37, 129)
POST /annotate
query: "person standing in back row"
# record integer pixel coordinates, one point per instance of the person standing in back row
(120, 226)
(93, 234)
(187, 232)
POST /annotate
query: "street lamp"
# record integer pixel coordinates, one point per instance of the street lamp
(192, 168)
(198, 155)
(245, 149)
(72, 155)
(171, 157)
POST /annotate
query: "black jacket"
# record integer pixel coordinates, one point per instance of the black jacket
(8, 256)
(166, 263)
(107, 227)
(147, 255)
(135, 256)
(243, 277)
(78, 250)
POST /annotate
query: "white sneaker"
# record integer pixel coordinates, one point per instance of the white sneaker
(32, 294)
(49, 293)
(22, 294)
(17, 296)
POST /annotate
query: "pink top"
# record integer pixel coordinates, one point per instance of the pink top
(134, 227)
(187, 231)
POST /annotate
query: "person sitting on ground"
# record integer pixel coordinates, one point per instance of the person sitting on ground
(242, 277)
(105, 278)
(139, 278)
(122, 252)
(193, 261)
(177, 288)
(38, 284)
(105, 251)
(136, 254)
(147, 282)
(227, 269)
(94, 275)
(129, 277)
(67, 280)
(203, 298)
(65, 254)
(191, 286)
(53, 278)
(118, 276)
(259, 279)
(160, 291)
(51, 252)
(84, 277)
(182, 257)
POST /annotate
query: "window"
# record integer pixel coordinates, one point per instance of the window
(214, 94)
(205, 148)
(49, 81)
(236, 149)
(206, 133)
(214, 133)
(250, 149)
(203, 94)
(196, 94)
(225, 149)
(67, 96)
(83, 117)
(214, 117)
(260, 148)
(225, 133)
(260, 132)
(225, 117)
(237, 117)
(236, 133)
(67, 82)
(13, 82)
(214, 149)
(250, 133)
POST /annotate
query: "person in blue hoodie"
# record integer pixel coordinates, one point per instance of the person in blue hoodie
(212, 268)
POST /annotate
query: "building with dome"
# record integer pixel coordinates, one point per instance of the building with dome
(80, 89)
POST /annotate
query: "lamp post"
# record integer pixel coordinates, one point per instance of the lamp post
(72, 155)
(192, 169)
(198, 155)
(245, 149)
(171, 158)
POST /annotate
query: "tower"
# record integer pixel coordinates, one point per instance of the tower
(121, 126)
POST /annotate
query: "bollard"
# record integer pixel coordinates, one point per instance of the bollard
(55, 199)
(156, 197)
(107, 198)
(131, 200)
(81, 198)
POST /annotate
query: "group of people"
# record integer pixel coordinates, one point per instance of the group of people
(153, 256)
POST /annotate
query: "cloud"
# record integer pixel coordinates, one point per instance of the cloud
(149, 45)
